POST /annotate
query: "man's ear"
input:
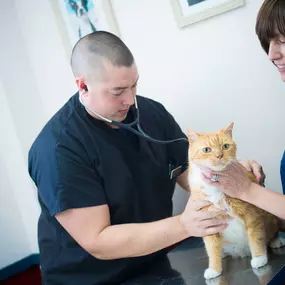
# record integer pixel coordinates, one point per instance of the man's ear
(81, 83)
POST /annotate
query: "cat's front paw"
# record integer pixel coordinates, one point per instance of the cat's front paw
(211, 273)
(259, 261)
(277, 242)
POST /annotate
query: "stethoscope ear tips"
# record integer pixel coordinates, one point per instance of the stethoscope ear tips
(83, 86)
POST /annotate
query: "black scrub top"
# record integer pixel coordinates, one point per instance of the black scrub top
(79, 161)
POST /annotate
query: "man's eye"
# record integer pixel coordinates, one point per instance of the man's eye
(116, 94)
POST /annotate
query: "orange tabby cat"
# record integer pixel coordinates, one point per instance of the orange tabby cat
(250, 229)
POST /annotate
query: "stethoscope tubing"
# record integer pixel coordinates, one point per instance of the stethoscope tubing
(129, 126)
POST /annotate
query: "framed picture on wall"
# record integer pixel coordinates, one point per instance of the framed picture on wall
(188, 12)
(77, 18)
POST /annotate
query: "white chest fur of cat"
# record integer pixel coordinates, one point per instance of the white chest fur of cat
(234, 236)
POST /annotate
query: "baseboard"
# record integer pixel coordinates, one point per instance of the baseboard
(19, 266)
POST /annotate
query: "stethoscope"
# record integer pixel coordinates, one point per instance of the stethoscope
(130, 126)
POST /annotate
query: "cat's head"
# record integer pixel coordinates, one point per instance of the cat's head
(214, 150)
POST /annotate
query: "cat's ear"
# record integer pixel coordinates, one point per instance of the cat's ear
(192, 135)
(229, 129)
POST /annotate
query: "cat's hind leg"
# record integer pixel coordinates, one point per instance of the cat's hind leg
(213, 244)
(257, 243)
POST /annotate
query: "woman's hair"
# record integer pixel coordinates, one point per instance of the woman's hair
(270, 22)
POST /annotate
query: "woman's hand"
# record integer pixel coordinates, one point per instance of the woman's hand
(255, 168)
(233, 180)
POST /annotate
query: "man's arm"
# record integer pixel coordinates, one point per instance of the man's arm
(91, 228)
(182, 180)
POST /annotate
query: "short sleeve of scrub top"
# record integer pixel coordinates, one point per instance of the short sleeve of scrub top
(64, 177)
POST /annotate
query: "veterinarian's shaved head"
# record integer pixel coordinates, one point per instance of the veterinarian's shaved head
(90, 52)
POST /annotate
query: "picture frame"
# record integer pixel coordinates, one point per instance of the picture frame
(186, 13)
(74, 25)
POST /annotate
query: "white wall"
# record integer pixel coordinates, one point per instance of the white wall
(14, 240)
(34, 76)
(207, 75)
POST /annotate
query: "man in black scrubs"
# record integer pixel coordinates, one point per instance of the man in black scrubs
(106, 193)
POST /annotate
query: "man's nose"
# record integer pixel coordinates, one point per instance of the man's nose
(129, 98)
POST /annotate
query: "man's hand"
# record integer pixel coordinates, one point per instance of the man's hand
(201, 223)
(255, 168)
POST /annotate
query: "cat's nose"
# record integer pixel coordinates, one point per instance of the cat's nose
(219, 155)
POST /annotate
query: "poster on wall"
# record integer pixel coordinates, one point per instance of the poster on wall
(188, 12)
(77, 18)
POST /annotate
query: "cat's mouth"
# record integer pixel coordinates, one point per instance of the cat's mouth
(218, 167)
(219, 164)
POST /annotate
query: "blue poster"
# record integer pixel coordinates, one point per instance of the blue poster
(81, 12)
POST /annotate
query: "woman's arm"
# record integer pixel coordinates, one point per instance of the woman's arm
(265, 199)
(234, 182)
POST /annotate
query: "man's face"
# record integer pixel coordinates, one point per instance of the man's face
(276, 53)
(113, 94)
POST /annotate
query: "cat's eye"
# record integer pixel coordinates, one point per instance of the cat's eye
(207, 149)
(226, 146)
